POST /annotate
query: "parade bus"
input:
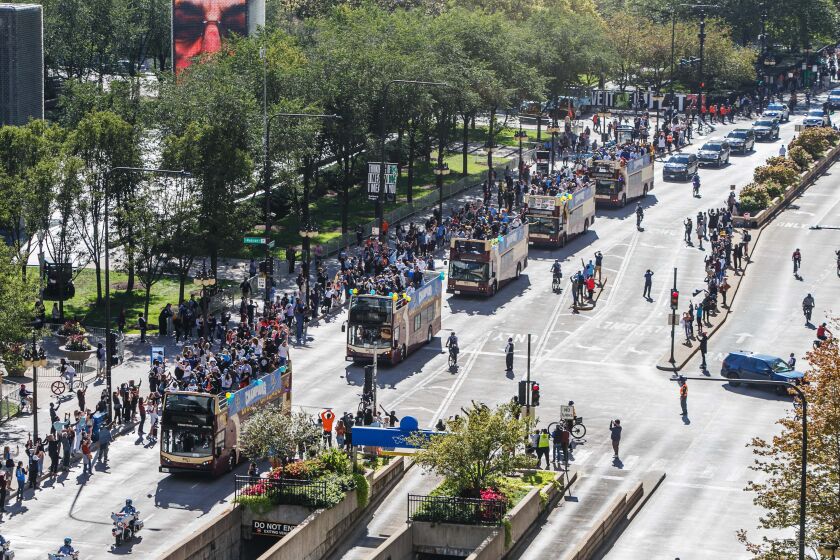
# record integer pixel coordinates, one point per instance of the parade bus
(200, 431)
(617, 181)
(553, 220)
(391, 327)
(482, 266)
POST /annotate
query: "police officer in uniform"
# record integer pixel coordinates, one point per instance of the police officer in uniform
(509, 355)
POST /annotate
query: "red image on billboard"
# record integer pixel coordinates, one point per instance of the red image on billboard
(200, 26)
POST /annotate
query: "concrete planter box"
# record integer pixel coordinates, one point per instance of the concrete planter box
(77, 355)
(779, 202)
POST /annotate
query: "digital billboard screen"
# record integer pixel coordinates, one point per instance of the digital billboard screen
(200, 26)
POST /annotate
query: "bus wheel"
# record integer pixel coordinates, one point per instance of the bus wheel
(526, 262)
(403, 353)
(586, 225)
(623, 200)
(429, 335)
(493, 287)
(563, 241)
(645, 191)
(518, 270)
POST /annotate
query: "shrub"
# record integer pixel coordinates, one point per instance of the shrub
(774, 190)
(77, 343)
(70, 328)
(815, 141)
(780, 160)
(335, 460)
(302, 470)
(800, 157)
(753, 197)
(782, 174)
(362, 489)
(257, 503)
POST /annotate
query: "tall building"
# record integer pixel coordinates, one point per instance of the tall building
(21, 63)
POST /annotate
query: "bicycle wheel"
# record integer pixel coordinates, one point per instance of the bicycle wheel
(58, 387)
(78, 385)
(578, 431)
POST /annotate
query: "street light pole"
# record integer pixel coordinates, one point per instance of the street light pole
(672, 360)
(109, 350)
(803, 480)
(382, 163)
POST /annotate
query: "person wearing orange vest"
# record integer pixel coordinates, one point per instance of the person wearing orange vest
(713, 112)
(683, 397)
(327, 419)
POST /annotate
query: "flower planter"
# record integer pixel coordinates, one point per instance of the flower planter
(77, 355)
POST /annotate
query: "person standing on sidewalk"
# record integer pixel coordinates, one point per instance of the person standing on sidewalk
(66, 445)
(53, 446)
(20, 475)
(683, 397)
(143, 325)
(615, 436)
(3, 491)
(543, 443)
(704, 347)
(87, 465)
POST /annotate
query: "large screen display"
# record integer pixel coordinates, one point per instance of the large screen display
(200, 26)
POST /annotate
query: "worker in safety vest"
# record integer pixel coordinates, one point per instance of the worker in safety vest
(683, 396)
(327, 418)
(543, 448)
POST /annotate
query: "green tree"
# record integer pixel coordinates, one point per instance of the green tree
(780, 461)
(272, 432)
(28, 158)
(17, 297)
(476, 448)
(102, 141)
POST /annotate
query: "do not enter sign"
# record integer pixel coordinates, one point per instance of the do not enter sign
(270, 528)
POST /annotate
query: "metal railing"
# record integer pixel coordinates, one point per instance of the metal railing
(464, 511)
(310, 493)
(9, 407)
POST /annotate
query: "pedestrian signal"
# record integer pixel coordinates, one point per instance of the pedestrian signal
(675, 299)
(523, 393)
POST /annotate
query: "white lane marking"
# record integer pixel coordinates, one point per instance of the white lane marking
(462, 376)
(703, 486)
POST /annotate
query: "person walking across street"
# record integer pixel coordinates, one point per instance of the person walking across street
(683, 397)
(704, 347)
(615, 436)
(509, 355)
(648, 284)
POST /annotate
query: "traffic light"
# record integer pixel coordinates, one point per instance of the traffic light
(535, 393)
(523, 393)
(262, 267)
(368, 387)
(675, 300)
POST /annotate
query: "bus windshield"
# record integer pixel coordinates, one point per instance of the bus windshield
(604, 186)
(470, 271)
(187, 425)
(544, 225)
(370, 336)
(371, 310)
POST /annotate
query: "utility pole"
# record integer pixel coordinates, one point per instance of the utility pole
(672, 360)
(762, 53)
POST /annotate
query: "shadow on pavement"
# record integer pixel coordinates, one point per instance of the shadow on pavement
(481, 305)
(629, 210)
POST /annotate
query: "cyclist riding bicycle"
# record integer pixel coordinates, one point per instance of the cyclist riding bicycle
(695, 182)
(452, 344)
(808, 306)
(640, 213)
(67, 371)
(823, 333)
(556, 270)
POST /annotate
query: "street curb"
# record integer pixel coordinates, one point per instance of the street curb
(664, 364)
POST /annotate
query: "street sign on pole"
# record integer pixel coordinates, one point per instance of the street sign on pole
(254, 241)
(390, 193)
(261, 283)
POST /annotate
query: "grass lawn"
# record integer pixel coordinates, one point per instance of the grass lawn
(83, 304)
(327, 209)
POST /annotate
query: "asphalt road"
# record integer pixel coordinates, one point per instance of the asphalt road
(602, 359)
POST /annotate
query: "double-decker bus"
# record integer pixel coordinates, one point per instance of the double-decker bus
(553, 220)
(391, 327)
(482, 266)
(617, 181)
(200, 431)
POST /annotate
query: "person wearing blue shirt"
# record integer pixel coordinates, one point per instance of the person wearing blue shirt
(128, 508)
(66, 548)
